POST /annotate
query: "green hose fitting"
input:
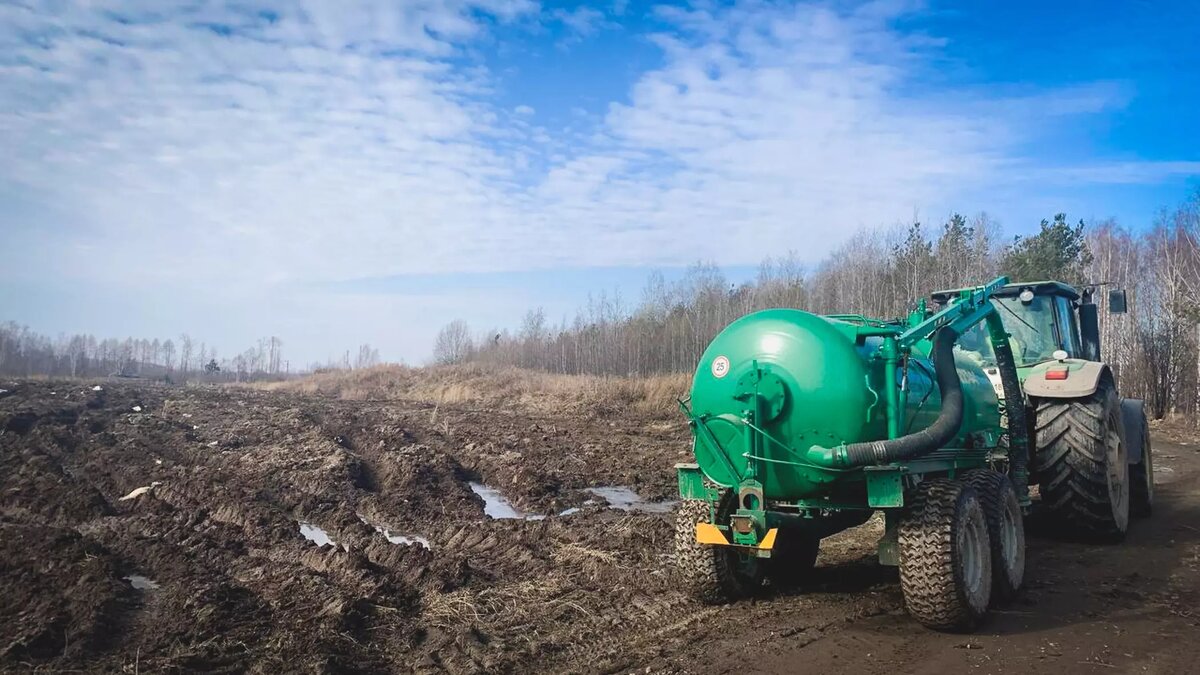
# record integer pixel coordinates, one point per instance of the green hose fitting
(830, 458)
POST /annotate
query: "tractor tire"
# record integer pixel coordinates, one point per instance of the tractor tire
(1006, 531)
(791, 562)
(711, 574)
(945, 556)
(1141, 474)
(1081, 464)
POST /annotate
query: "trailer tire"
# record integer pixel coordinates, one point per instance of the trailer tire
(945, 556)
(711, 574)
(1006, 530)
(791, 562)
(1081, 464)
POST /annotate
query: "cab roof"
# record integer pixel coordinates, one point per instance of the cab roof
(1011, 290)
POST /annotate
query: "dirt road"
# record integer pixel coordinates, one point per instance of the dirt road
(147, 528)
(1129, 608)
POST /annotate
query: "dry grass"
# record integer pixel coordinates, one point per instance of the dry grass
(496, 386)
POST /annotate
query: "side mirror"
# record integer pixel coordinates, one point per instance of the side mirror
(1117, 302)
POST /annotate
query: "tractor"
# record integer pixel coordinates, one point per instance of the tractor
(805, 425)
(1091, 456)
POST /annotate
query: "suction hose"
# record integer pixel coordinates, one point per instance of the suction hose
(935, 436)
(1018, 425)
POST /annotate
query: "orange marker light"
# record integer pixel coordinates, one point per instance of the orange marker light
(1059, 374)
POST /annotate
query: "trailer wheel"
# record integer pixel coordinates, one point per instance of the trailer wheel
(945, 559)
(792, 561)
(711, 574)
(1006, 530)
(1081, 464)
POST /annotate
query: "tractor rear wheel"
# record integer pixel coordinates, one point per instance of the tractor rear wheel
(945, 557)
(711, 574)
(1081, 464)
(1006, 530)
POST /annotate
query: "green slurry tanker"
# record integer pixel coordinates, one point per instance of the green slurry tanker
(806, 425)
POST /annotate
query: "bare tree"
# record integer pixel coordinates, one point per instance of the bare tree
(185, 353)
(454, 343)
(367, 356)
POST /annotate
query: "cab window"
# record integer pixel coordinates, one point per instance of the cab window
(1033, 327)
(1068, 329)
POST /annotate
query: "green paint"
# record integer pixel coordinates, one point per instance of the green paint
(885, 486)
(691, 482)
(779, 391)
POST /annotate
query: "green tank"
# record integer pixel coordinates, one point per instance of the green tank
(822, 382)
(806, 425)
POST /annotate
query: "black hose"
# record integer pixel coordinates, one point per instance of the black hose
(1014, 408)
(931, 438)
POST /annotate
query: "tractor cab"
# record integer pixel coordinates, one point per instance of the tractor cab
(1043, 319)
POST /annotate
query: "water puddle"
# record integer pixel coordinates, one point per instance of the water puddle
(496, 506)
(623, 498)
(403, 539)
(318, 535)
(141, 583)
(620, 497)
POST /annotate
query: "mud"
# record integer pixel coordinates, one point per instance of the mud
(204, 566)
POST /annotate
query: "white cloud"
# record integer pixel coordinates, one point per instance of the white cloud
(583, 21)
(223, 146)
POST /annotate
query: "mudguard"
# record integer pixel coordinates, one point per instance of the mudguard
(1133, 418)
(1083, 377)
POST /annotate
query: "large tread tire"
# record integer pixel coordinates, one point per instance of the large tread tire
(945, 558)
(711, 574)
(1006, 531)
(1141, 475)
(1081, 464)
(791, 562)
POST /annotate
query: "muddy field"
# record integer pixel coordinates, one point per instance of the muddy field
(148, 528)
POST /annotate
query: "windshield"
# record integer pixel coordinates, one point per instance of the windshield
(1031, 328)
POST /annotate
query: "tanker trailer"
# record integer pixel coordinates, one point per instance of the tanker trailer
(806, 425)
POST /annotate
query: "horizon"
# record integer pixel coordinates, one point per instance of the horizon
(235, 172)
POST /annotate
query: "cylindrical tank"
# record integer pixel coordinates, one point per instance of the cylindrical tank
(820, 385)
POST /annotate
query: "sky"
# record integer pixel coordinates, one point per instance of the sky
(366, 171)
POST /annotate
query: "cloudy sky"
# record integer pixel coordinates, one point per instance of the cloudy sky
(339, 172)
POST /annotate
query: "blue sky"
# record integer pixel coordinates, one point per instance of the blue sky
(334, 173)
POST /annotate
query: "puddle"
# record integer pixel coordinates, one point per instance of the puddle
(318, 535)
(496, 506)
(405, 539)
(141, 583)
(619, 497)
(623, 498)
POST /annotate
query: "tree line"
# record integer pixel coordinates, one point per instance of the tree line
(1154, 348)
(25, 352)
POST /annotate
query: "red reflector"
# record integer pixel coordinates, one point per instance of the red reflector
(1057, 374)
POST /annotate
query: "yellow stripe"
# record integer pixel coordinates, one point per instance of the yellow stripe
(768, 541)
(707, 533)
